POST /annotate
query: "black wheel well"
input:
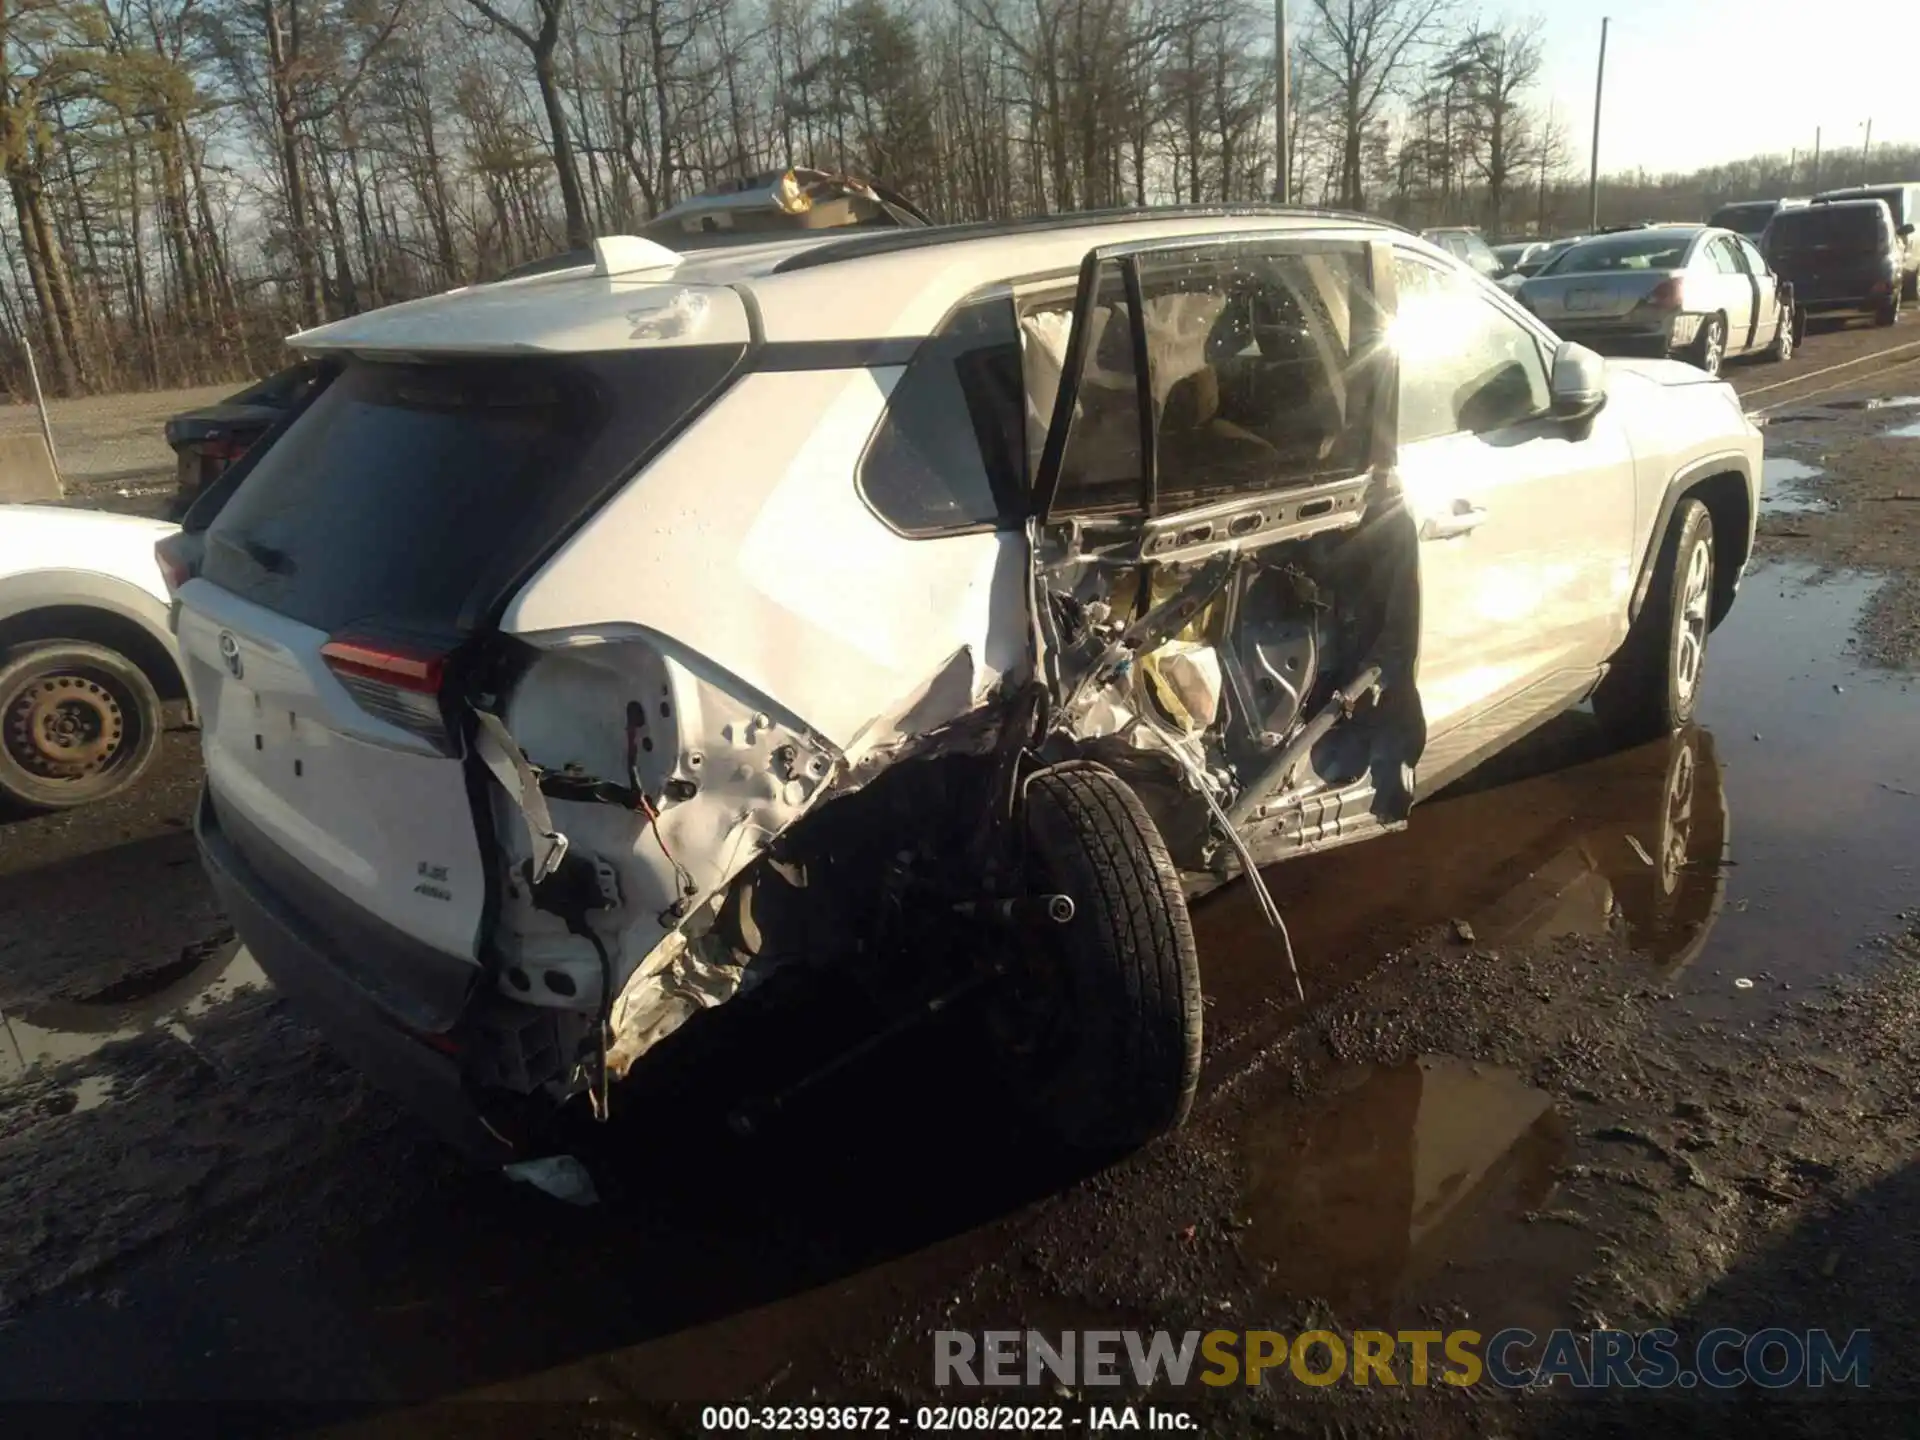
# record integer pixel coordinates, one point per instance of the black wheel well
(98, 627)
(1730, 502)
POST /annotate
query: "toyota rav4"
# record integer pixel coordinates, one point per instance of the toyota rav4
(948, 605)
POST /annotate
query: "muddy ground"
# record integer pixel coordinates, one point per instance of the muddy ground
(1620, 1039)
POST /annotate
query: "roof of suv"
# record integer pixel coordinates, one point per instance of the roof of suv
(820, 287)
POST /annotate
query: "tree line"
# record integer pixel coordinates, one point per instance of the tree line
(190, 180)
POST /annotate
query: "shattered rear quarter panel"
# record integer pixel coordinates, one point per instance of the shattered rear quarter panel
(748, 544)
(774, 631)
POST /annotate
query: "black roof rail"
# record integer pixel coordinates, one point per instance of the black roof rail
(888, 242)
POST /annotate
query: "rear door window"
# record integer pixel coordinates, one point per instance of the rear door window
(408, 494)
(1245, 371)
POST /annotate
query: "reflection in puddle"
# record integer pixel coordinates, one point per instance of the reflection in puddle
(1357, 1197)
(1541, 843)
(1909, 431)
(1781, 479)
(62, 1032)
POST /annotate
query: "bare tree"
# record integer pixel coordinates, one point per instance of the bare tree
(1364, 50)
(540, 34)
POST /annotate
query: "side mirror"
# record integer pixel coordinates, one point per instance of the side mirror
(1906, 230)
(1579, 384)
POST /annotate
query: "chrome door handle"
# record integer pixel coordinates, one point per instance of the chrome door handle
(1463, 520)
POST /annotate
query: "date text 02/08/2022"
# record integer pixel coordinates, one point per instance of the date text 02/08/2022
(941, 1419)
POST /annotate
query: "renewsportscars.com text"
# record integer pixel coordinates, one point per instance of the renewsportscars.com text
(1513, 1359)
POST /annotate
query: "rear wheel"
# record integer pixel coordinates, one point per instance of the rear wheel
(1888, 312)
(1653, 685)
(1709, 347)
(1910, 288)
(1101, 1017)
(78, 722)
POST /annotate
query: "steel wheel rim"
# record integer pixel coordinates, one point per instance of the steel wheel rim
(1690, 635)
(65, 727)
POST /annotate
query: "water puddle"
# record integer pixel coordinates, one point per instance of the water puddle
(1782, 482)
(1558, 837)
(62, 1033)
(1822, 776)
(1908, 431)
(1770, 842)
(1363, 1197)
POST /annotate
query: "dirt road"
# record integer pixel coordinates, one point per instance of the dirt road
(1618, 1039)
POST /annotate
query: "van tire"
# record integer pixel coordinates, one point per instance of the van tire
(108, 718)
(1122, 1061)
(1652, 688)
(1888, 313)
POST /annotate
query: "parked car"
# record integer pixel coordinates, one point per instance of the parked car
(1687, 290)
(1903, 203)
(1463, 242)
(86, 653)
(1536, 255)
(206, 441)
(1515, 253)
(1062, 569)
(1843, 259)
(1750, 217)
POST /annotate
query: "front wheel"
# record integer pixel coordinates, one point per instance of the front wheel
(1653, 685)
(1709, 347)
(1101, 1017)
(1783, 337)
(78, 722)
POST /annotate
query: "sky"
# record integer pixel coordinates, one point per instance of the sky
(1694, 82)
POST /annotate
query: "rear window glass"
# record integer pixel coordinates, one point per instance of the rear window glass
(1745, 218)
(1828, 224)
(408, 494)
(1640, 250)
(1895, 196)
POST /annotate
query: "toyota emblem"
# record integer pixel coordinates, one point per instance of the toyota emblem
(230, 653)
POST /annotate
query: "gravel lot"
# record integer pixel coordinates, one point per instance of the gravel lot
(1543, 972)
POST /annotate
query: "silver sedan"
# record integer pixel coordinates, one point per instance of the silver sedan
(1691, 291)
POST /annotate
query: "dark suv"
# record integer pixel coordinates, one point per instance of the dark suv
(1843, 258)
(1903, 202)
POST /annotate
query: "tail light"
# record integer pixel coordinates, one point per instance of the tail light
(174, 556)
(1669, 294)
(224, 448)
(396, 684)
(1880, 287)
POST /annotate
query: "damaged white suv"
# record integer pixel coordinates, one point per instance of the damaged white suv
(948, 604)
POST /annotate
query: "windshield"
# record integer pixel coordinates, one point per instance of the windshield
(1822, 225)
(1640, 250)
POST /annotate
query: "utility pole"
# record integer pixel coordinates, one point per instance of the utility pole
(1866, 156)
(1816, 157)
(1282, 64)
(1593, 174)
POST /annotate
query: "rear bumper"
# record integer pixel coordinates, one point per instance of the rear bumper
(296, 958)
(1625, 336)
